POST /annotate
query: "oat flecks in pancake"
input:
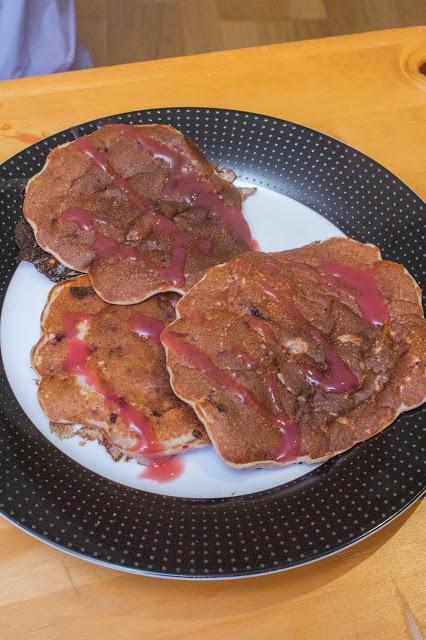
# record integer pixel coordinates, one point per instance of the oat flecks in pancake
(138, 208)
(102, 367)
(299, 355)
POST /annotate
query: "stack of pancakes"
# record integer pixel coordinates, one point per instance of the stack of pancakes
(273, 358)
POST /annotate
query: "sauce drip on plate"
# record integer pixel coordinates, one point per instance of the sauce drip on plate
(163, 469)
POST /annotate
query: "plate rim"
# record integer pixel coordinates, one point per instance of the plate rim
(217, 578)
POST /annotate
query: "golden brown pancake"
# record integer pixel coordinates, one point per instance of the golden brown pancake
(299, 355)
(102, 367)
(138, 208)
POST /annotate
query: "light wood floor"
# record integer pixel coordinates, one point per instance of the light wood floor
(117, 31)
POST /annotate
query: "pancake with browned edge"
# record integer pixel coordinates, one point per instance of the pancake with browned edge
(299, 355)
(103, 374)
(138, 208)
(30, 251)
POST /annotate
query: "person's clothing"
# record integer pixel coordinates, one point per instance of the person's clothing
(39, 37)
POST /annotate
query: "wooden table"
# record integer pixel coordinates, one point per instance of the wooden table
(366, 90)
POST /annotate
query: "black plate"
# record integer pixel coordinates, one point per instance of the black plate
(320, 513)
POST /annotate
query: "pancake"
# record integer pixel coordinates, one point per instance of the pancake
(299, 355)
(30, 251)
(103, 375)
(138, 208)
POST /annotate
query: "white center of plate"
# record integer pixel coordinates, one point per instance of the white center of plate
(277, 223)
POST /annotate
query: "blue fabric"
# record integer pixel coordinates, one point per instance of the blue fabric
(39, 37)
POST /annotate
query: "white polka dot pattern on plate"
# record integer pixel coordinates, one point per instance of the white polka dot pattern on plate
(306, 519)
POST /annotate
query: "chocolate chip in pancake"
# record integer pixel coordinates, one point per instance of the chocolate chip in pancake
(138, 208)
(299, 355)
(102, 367)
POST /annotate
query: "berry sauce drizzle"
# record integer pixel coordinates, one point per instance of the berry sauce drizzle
(339, 378)
(278, 417)
(147, 327)
(180, 241)
(195, 192)
(158, 469)
(289, 448)
(363, 288)
(77, 362)
(163, 469)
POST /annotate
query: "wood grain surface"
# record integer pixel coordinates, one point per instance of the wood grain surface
(366, 90)
(119, 31)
